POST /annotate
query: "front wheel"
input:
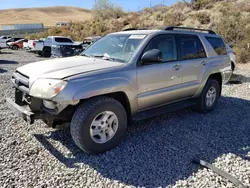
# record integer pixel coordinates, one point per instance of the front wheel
(98, 125)
(209, 96)
(14, 47)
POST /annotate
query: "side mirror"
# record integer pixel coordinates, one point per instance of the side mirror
(152, 56)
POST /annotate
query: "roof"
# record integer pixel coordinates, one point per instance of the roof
(138, 32)
(174, 30)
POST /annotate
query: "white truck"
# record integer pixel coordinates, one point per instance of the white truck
(43, 48)
(30, 45)
(3, 40)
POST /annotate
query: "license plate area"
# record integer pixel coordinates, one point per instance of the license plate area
(19, 97)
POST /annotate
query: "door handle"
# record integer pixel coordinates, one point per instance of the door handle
(177, 67)
(204, 62)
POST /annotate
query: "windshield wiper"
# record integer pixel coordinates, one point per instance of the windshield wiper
(85, 55)
(104, 58)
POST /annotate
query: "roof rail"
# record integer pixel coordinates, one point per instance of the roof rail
(132, 29)
(190, 29)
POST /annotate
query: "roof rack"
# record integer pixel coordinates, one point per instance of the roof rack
(190, 29)
(132, 29)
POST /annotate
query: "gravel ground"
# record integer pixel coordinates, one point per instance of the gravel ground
(155, 152)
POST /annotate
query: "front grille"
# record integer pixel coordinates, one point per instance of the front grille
(21, 81)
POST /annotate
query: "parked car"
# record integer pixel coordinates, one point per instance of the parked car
(25, 45)
(74, 49)
(13, 39)
(32, 44)
(16, 45)
(58, 51)
(232, 56)
(43, 48)
(128, 75)
(3, 40)
(89, 40)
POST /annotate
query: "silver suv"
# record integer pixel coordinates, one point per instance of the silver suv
(124, 76)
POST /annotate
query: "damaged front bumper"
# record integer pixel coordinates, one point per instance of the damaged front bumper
(49, 117)
(21, 112)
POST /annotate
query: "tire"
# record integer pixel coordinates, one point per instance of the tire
(39, 53)
(46, 52)
(15, 47)
(82, 124)
(202, 105)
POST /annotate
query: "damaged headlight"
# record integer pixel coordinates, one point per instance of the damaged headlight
(47, 88)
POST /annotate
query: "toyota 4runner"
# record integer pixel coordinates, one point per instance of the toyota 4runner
(129, 75)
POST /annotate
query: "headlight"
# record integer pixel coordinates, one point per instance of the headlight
(47, 88)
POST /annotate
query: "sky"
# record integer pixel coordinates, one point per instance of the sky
(127, 5)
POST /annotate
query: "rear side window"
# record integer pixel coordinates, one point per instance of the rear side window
(191, 47)
(218, 45)
(64, 40)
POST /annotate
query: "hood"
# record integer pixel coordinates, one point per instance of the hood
(10, 43)
(64, 67)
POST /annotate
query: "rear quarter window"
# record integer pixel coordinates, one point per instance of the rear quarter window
(218, 45)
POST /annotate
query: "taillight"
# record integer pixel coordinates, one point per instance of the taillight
(34, 44)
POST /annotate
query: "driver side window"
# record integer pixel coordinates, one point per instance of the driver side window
(166, 44)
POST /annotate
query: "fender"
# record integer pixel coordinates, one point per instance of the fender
(108, 86)
(206, 74)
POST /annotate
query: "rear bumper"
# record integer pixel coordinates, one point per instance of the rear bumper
(20, 111)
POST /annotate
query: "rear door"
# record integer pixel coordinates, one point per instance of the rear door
(193, 58)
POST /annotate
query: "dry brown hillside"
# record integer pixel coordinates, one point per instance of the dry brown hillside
(47, 15)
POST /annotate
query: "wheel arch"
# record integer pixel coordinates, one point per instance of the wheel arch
(214, 75)
(218, 77)
(121, 97)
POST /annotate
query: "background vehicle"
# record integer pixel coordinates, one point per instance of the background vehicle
(32, 44)
(17, 44)
(25, 45)
(43, 48)
(129, 75)
(3, 40)
(89, 40)
(72, 50)
(13, 39)
(232, 56)
(65, 50)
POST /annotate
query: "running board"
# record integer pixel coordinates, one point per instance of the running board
(163, 110)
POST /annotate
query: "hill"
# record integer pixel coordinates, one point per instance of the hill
(229, 18)
(46, 15)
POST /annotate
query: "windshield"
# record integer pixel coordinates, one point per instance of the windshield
(115, 47)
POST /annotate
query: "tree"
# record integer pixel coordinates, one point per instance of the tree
(104, 9)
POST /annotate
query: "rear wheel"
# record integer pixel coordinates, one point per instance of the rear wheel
(209, 96)
(98, 125)
(46, 52)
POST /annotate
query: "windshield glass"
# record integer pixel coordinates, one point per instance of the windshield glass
(115, 47)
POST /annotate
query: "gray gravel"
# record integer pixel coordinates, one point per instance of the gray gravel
(155, 152)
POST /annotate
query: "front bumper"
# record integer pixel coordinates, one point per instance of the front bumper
(20, 111)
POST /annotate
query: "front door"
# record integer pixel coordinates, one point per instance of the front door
(158, 83)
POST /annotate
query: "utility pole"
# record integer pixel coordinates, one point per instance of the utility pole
(150, 3)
